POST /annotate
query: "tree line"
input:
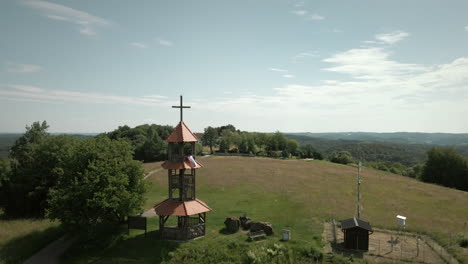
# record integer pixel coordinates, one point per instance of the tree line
(228, 139)
(444, 166)
(82, 183)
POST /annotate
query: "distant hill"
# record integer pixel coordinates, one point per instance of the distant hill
(8, 139)
(406, 148)
(398, 137)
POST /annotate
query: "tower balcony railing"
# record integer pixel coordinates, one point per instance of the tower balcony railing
(177, 158)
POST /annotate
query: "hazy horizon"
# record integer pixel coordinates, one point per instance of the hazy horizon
(87, 66)
(288, 132)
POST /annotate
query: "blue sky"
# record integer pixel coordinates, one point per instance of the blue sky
(293, 66)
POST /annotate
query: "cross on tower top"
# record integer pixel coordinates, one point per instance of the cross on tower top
(181, 106)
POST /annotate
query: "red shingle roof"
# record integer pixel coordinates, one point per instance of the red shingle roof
(181, 208)
(182, 134)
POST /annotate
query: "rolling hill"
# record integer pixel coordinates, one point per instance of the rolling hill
(291, 194)
(406, 148)
(441, 139)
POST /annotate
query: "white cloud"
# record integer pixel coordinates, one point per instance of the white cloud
(392, 37)
(85, 21)
(306, 15)
(22, 68)
(165, 42)
(285, 75)
(303, 55)
(315, 17)
(27, 92)
(299, 4)
(139, 45)
(370, 63)
(278, 70)
(466, 28)
(371, 92)
(88, 31)
(299, 12)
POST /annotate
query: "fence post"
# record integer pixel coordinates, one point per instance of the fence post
(423, 252)
(379, 248)
(401, 250)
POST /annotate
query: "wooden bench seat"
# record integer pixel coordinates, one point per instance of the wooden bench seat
(258, 234)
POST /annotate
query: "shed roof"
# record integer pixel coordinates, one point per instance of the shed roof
(354, 222)
(181, 208)
(181, 133)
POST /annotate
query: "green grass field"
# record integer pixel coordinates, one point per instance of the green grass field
(21, 238)
(291, 194)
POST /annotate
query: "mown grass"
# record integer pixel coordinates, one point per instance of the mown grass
(150, 166)
(21, 238)
(294, 195)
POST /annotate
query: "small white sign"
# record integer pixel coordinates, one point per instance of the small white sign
(401, 220)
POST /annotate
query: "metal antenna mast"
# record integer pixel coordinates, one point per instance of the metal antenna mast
(359, 191)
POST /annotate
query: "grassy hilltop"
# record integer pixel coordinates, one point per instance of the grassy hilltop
(291, 194)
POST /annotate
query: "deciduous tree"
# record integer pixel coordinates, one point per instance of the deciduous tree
(209, 137)
(100, 183)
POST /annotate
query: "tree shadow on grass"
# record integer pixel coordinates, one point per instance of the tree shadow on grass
(19, 249)
(117, 247)
(225, 231)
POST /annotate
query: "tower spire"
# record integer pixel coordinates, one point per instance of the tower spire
(181, 106)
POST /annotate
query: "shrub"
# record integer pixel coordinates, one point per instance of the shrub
(342, 157)
(463, 242)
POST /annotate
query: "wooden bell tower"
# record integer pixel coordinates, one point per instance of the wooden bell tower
(182, 202)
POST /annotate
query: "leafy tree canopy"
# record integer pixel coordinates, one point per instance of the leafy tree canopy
(147, 141)
(209, 137)
(447, 167)
(342, 157)
(100, 183)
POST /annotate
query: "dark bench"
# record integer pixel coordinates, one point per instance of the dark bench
(257, 234)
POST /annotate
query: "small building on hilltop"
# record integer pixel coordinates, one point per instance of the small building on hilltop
(356, 233)
(182, 203)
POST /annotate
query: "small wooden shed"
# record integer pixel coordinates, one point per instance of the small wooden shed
(356, 233)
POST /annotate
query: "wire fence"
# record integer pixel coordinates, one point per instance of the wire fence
(405, 247)
(400, 247)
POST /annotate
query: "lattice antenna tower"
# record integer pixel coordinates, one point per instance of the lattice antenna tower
(358, 200)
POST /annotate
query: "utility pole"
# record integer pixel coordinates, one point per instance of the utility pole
(359, 191)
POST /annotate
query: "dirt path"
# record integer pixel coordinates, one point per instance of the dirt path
(51, 253)
(151, 173)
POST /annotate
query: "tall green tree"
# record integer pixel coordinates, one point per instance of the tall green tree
(447, 167)
(209, 137)
(147, 141)
(100, 183)
(293, 147)
(22, 148)
(5, 175)
(226, 140)
(35, 166)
